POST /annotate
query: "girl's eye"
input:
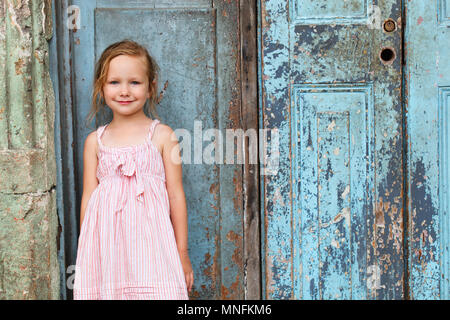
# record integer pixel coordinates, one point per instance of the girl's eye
(135, 82)
(113, 82)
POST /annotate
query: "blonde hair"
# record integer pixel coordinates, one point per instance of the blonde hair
(129, 48)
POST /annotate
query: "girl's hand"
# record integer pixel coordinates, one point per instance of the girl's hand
(187, 268)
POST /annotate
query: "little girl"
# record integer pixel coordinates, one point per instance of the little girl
(133, 239)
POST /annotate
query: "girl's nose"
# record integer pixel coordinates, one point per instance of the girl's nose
(124, 90)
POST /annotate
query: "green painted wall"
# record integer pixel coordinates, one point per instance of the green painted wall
(28, 219)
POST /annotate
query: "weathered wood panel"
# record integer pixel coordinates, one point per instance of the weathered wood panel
(427, 88)
(251, 174)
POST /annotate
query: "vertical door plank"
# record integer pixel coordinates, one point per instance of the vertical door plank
(252, 257)
(427, 89)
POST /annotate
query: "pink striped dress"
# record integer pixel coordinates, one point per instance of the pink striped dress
(127, 248)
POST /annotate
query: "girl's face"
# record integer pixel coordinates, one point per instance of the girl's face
(126, 89)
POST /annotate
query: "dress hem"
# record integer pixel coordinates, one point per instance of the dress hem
(133, 292)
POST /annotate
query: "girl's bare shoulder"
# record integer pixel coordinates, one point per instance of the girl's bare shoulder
(90, 144)
(163, 128)
(164, 133)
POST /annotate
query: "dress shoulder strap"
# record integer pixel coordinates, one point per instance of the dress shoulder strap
(152, 128)
(100, 131)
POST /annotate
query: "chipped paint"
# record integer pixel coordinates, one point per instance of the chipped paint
(19, 64)
(419, 20)
(427, 105)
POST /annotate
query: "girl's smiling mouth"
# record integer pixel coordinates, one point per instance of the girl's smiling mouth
(124, 102)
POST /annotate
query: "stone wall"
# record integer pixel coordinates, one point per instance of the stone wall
(28, 218)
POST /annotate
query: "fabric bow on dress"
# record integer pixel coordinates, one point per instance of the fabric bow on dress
(127, 167)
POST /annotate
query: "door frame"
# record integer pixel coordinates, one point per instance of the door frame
(66, 194)
(69, 198)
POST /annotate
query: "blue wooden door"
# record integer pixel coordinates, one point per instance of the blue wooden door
(427, 86)
(331, 82)
(194, 43)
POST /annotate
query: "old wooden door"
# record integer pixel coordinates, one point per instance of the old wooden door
(427, 89)
(331, 82)
(196, 44)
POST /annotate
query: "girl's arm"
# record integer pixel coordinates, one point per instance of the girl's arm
(90, 181)
(178, 211)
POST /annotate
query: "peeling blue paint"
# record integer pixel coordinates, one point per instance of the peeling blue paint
(427, 84)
